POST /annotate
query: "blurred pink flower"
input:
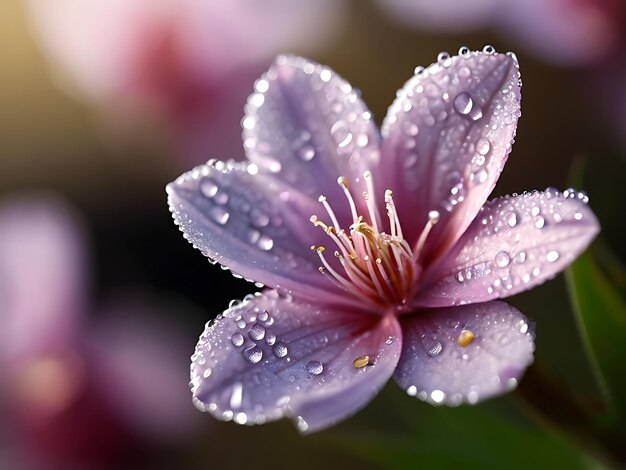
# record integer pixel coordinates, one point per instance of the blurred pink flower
(73, 389)
(186, 63)
(568, 32)
(409, 281)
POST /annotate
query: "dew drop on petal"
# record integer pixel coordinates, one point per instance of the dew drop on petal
(237, 339)
(257, 332)
(265, 243)
(280, 349)
(463, 103)
(502, 259)
(208, 187)
(465, 51)
(511, 219)
(253, 235)
(483, 146)
(552, 256)
(219, 215)
(341, 133)
(520, 257)
(253, 354)
(444, 59)
(437, 396)
(270, 338)
(259, 218)
(306, 153)
(314, 367)
(432, 347)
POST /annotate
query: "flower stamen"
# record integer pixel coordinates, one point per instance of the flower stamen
(376, 265)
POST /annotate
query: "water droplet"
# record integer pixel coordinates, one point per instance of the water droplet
(552, 256)
(253, 235)
(535, 211)
(520, 257)
(253, 354)
(259, 218)
(578, 216)
(270, 338)
(341, 133)
(265, 243)
(280, 349)
(257, 332)
(432, 347)
(502, 259)
(489, 49)
(465, 106)
(463, 103)
(465, 338)
(219, 215)
(511, 219)
(302, 424)
(540, 222)
(237, 339)
(483, 146)
(326, 75)
(437, 396)
(418, 70)
(314, 367)
(306, 153)
(410, 128)
(221, 198)
(464, 51)
(444, 59)
(241, 323)
(412, 390)
(480, 176)
(361, 362)
(208, 187)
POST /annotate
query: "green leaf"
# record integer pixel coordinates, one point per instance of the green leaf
(494, 435)
(596, 288)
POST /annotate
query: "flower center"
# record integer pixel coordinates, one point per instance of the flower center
(375, 265)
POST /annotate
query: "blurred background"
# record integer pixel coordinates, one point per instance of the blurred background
(103, 102)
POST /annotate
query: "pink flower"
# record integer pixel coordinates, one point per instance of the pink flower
(75, 390)
(570, 32)
(383, 257)
(184, 64)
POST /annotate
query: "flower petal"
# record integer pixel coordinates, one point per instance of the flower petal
(464, 354)
(42, 276)
(271, 356)
(306, 126)
(446, 139)
(514, 244)
(253, 225)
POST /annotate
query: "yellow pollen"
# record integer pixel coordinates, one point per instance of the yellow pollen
(312, 247)
(320, 249)
(361, 362)
(465, 338)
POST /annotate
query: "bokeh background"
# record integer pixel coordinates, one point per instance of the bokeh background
(103, 102)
